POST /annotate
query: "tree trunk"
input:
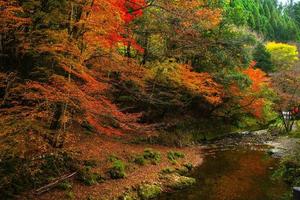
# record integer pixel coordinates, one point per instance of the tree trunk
(57, 117)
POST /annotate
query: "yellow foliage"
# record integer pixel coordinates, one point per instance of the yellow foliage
(283, 55)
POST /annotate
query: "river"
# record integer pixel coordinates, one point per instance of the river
(236, 173)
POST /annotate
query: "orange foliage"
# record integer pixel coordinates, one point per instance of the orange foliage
(105, 21)
(202, 84)
(8, 18)
(86, 102)
(250, 100)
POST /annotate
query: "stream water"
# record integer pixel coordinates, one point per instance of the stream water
(239, 173)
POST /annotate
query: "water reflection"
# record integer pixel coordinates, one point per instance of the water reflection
(233, 175)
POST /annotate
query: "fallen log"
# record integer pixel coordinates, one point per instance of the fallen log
(51, 185)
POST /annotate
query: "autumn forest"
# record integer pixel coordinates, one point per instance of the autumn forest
(97, 91)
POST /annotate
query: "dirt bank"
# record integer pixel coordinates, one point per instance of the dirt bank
(100, 150)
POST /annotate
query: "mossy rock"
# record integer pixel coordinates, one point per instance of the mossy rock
(149, 191)
(177, 182)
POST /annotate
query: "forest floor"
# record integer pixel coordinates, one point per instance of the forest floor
(100, 150)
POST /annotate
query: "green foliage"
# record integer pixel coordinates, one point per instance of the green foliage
(65, 185)
(140, 160)
(289, 170)
(86, 176)
(189, 166)
(263, 58)
(153, 156)
(117, 170)
(266, 17)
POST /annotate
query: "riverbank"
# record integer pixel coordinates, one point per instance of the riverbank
(104, 153)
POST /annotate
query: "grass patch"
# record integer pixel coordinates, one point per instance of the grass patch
(112, 158)
(174, 156)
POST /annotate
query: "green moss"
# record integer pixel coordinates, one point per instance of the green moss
(149, 191)
(176, 181)
(117, 170)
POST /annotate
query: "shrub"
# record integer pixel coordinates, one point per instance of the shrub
(149, 191)
(153, 156)
(117, 170)
(88, 178)
(140, 160)
(90, 163)
(173, 156)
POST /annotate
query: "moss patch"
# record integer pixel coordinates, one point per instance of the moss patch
(177, 182)
(149, 191)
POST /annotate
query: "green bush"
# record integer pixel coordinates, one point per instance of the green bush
(149, 191)
(153, 156)
(117, 170)
(89, 178)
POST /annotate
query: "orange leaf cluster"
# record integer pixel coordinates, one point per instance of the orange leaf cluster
(202, 84)
(250, 100)
(8, 16)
